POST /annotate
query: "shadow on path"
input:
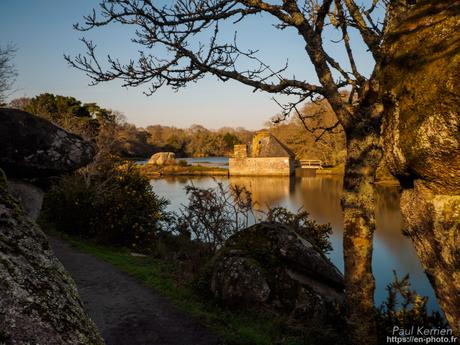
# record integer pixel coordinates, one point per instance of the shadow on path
(126, 312)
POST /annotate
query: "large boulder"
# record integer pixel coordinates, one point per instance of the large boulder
(420, 85)
(39, 302)
(270, 265)
(163, 158)
(421, 134)
(32, 147)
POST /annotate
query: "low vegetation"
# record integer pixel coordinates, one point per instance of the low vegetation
(214, 214)
(171, 278)
(405, 308)
(106, 207)
(317, 234)
(182, 169)
(167, 278)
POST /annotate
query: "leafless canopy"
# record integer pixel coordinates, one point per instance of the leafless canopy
(7, 71)
(182, 42)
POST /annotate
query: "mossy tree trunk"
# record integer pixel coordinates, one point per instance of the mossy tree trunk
(363, 156)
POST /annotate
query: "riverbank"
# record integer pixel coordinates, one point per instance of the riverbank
(152, 171)
(156, 171)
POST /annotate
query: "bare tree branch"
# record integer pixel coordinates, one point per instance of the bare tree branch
(177, 31)
(8, 73)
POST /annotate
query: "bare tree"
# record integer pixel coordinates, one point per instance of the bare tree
(8, 73)
(189, 34)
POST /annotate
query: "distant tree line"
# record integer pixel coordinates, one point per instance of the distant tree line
(92, 121)
(197, 141)
(126, 140)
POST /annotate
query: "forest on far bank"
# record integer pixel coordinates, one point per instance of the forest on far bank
(303, 134)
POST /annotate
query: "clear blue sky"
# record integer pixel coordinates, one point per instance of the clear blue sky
(42, 31)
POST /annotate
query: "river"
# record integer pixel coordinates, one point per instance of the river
(320, 197)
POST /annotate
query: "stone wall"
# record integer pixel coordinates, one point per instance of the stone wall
(240, 151)
(267, 166)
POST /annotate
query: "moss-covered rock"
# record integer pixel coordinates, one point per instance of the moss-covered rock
(420, 82)
(39, 301)
(270, 265)
(31, 146)
(421, 133)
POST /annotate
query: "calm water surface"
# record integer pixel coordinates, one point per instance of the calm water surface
(221, 162)
(320, 196)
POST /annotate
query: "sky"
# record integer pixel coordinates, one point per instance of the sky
(42, 31)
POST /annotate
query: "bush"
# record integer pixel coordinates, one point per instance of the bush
(406, 309)
(318, 234)
(116, 206)
(214, 214)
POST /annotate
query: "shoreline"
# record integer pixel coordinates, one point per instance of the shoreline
(155, 171)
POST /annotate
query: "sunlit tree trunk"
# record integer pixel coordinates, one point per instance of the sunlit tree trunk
(363, 156)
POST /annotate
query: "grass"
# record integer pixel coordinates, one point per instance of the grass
(233, 328)
(183, 170)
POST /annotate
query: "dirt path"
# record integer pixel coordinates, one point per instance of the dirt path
(126, 312)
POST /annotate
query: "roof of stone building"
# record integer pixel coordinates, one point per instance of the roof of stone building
(265, 144)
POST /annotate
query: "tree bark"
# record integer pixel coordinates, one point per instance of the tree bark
(363, 156)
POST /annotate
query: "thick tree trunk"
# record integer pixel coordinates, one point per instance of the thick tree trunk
(363, 156)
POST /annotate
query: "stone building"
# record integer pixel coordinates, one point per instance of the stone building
(265, 156)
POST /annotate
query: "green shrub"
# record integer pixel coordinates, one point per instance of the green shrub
(117, 207)
(406, 309)
(318, 234)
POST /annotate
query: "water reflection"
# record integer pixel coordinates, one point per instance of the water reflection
(267, 190)
(320, 197)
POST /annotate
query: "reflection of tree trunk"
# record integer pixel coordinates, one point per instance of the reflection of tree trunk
(363, 157)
